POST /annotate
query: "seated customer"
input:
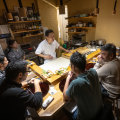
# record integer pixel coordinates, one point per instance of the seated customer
(14, 51)
(3, 64)
(13, 99)
(108, 69)
(84, 90)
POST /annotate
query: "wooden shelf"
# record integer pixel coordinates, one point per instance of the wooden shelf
(76, 32)
(33, 35)
(75, 19)
(82, 27)
(17, 32)
(14, 22)
(89, 17)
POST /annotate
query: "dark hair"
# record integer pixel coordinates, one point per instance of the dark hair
(2, 59)
(14, 68)
(47, 32)
(110, 48)
(78, 60)
(10, 42)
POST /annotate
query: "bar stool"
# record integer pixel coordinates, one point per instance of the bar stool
(114, 99)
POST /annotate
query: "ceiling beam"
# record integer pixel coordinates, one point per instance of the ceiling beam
(50, 3)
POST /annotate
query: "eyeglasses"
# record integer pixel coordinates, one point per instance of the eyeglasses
(28, 71)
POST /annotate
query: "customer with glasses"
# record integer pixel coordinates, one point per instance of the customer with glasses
(13, 99)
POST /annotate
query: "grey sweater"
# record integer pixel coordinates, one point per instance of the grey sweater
(109, 75)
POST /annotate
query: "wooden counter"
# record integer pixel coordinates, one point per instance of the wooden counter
(55, 105)
(54, 63)
(82, 50)
(58, 101)
(54, 80)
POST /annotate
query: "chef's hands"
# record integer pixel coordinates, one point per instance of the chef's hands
(48, 57)
(67, 51)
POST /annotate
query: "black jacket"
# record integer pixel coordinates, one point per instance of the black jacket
(14, 100)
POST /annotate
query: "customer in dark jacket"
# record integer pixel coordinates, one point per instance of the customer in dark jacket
(13, 99)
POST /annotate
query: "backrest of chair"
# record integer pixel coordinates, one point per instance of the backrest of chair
(106, 113)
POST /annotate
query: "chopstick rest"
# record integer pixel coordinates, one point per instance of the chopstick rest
(47, 102)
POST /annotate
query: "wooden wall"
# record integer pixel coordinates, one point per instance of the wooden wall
(48, 15)
(11, 4)
(47, 12)
(108, 25)
(82, 6)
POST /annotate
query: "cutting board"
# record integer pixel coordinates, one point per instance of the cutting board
(53, 65)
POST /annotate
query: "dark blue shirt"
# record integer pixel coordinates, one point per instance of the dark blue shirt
(85, 90)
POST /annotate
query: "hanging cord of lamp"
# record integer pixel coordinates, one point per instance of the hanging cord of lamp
(22, 10)
(5, 6)
(61, 7)
(20, 3)
(97, 7)
(49, 3)
(33, 7)
(114, 10)
(9, 15)
(61, 2)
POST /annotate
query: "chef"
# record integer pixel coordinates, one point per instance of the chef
(47, 48)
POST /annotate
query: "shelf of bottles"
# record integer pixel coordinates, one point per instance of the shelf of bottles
(15, 22)
(27, 29)
(39, 34)
(24, 27)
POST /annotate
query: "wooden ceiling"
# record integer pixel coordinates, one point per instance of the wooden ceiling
(57, 2)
